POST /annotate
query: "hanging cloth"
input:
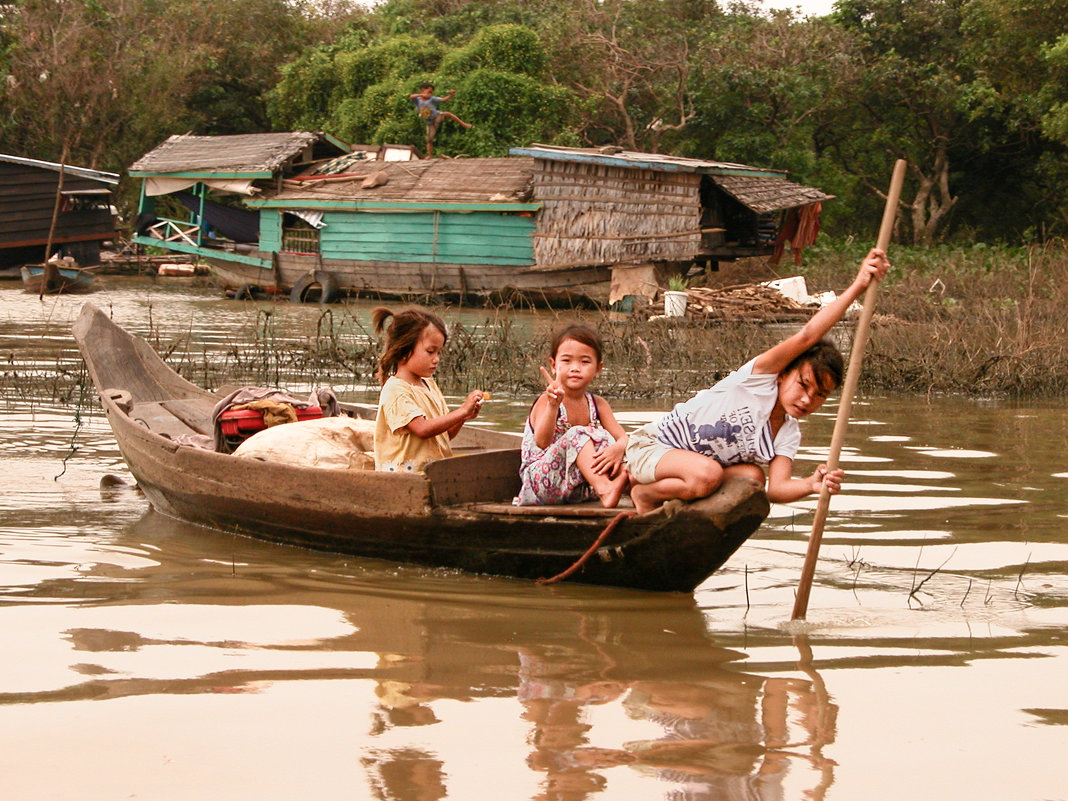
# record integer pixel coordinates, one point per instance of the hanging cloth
(800, 229)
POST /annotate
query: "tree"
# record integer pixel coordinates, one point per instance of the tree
(359, 89)
(630, 62)
(766, 88)
(909, 101)
(500, 87)
(1018, 53)
(243, 42)
(102, 81)
(83, 75)
(1055, 90)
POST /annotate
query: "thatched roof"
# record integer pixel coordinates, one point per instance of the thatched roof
(246, 154)
(501, 180)
(762, 190)
(765, 195)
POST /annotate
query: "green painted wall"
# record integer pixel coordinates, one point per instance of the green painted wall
(480, 237)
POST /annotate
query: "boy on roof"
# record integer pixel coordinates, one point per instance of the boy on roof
(426, 104)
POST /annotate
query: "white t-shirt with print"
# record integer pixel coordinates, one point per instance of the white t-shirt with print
(729, 421)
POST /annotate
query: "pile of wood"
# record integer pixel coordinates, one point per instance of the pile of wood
(744, 302)
(125, 260)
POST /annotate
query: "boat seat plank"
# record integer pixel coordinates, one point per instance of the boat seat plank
(488, 475)
(589, 509)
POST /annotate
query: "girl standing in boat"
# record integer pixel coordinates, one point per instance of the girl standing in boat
(750, 418)
(572, 445)
(414, 425)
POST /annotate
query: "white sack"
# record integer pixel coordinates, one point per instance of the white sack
(333, 443)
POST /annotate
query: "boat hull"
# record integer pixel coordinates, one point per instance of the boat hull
(472, 281)
(53, 281)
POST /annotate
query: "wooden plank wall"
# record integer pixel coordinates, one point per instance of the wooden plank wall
(479, 237)
(595, 214)
(27, 197)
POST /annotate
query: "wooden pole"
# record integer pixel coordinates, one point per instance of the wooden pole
(856, 358)
(49, 272)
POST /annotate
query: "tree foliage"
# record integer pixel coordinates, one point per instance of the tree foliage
(360, 88)
(951, 86)
(99, 82)
(1018, 53)
(631, 63)
(58, 102)
(908, 102)
(766, 92)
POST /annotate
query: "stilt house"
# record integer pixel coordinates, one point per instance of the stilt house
(546, 222)
(42, 202)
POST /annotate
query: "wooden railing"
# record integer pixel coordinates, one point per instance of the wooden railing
(171, 231)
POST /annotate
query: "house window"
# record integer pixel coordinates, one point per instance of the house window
(298, 236)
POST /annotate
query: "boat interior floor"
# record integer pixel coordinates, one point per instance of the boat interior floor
(173, 418)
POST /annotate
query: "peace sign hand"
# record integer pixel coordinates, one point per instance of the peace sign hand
(554, 392)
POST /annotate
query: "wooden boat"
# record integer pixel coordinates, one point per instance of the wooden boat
(51, 279)
(457, 515)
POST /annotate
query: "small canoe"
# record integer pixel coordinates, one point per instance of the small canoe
(50, 279)
(458, 515)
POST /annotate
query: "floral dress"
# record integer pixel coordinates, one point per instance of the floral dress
(551, 476)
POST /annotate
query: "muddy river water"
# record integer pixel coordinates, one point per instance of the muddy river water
(146, 658)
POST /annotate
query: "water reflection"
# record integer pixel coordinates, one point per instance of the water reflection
(727, 736)
(405, 774)
(566, 661)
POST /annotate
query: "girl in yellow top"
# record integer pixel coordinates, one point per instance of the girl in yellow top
(414, 425)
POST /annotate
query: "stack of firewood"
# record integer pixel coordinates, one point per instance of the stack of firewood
(744, 302)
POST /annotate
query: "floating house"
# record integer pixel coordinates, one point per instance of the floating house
(317, 218)
(34, 193)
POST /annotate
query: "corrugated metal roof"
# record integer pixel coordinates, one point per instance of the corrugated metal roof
(501, 180)
(617, 157)
(241, 153)
(764, 195)
(81, 172)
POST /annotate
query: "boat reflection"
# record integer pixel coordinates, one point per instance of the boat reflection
(411, 774)
(600, 680)
(729, 735)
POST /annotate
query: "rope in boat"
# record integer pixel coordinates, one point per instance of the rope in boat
(591, 550)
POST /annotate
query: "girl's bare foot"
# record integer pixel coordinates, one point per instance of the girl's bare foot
(640, 495)
(612, 490)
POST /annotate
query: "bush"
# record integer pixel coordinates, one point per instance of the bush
(502, 48)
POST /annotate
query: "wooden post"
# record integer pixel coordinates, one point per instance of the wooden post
(856, 358)
(46, 277)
